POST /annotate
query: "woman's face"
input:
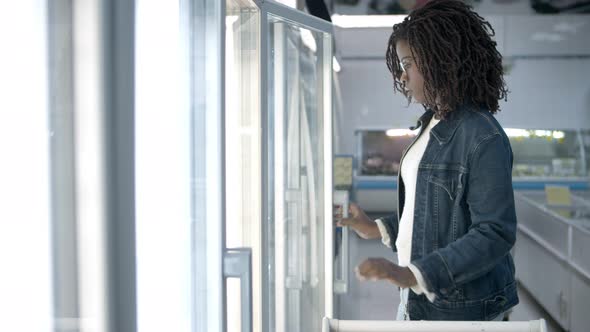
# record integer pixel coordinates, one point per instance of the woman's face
(411, 77)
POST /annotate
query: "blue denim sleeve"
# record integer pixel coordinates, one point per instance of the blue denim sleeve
(392, 225)
(492, 233)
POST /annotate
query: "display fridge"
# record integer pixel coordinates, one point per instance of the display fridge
(278, 177)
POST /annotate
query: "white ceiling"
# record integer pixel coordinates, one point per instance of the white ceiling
(516, 35)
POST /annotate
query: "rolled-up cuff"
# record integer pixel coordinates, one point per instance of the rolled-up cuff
(384, 234)
(420, 287)
(436, 274)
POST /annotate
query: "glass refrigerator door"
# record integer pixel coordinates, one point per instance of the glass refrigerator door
(299, 86)
(243, 170)
(278, 165)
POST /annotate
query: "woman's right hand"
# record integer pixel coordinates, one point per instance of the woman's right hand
(356, 216)
(359, 221)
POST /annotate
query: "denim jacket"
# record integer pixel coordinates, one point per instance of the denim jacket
(464, 219)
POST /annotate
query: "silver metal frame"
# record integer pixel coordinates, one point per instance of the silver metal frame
(328, 180)
(582, 154)
(277, 168)
(295, 16)
(268, 156)
(118, 24)
(62, 163)
(103, 39)
(208, 42)
(215, 159)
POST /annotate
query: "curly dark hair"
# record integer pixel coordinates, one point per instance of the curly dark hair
(455, 54)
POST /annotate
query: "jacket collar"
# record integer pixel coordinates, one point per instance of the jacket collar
(424, 119)
(446, 128)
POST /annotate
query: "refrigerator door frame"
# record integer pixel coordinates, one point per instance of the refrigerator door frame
(301, 19)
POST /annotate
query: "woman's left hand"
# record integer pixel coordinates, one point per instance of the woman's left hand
(383, 269)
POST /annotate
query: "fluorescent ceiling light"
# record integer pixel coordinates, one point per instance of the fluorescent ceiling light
(542, 133)
(367, 21)
(556, 134)
(513, 132)
(400, 132)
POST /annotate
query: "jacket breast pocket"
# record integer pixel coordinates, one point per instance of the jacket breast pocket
(445, 191)
(449, 182)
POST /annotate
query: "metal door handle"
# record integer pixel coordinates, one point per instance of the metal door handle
(340, 197)
(237, 263)
(294, 268)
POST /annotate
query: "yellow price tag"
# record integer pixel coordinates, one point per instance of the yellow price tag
(342, 172)
(558, 195)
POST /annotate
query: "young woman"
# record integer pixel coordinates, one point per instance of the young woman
(456, 220)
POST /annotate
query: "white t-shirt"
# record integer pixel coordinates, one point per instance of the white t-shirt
(409, 173)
